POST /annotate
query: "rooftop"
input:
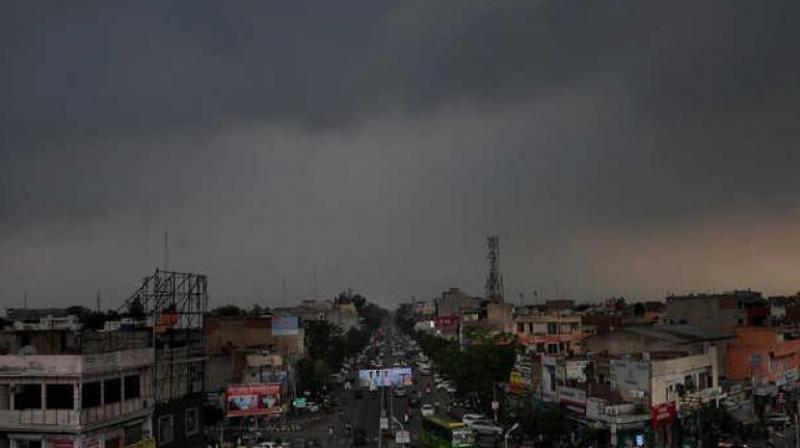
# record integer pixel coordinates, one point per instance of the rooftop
(677, 333)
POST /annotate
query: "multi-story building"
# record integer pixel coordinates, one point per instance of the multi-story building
(60, 388)
(689, 339)
(765, 355)
(549, 333)
(632, 400)
(720, 312)
(453, 301)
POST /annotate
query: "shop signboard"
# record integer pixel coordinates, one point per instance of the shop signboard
(664, 414)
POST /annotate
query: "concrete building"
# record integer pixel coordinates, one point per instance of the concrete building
(719, 312)
(64, 389)
(764, 355)
(687, 339)
(238, 346)
(499, 317)
(549, 333)
(632, 400)
(424, 308)
(453, 301)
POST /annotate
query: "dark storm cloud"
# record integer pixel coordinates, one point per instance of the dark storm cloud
(283, 135)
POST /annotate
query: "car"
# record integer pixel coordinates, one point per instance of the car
(271, 445)
(469, 418)
(485, 428)
(413, 402)
(400, 391)
(426, 410)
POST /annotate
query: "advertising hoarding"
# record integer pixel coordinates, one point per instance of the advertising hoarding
(395, 376)
(285, 325)
(253, 399)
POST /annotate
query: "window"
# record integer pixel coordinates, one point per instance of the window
(133, 434)
(552, 348)
(520, 327)
(90, 395)
(132, 389)
(165, 433)
(60, 396)
(540, 347)
(112, 391)
(28, 396)
(22, 443)
(552, 328)
(5, 397)
(192, 424)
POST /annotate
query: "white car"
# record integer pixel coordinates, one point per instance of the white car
(485, 428)
(467, 419)
(426, 410)
(271, 445)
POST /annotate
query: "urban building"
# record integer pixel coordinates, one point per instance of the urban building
(719, 312)
(688, 339)
(765, 355)
(549, 333)
(453, 301)
(61, 387)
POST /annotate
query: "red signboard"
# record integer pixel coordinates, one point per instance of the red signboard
(664, 414)
(253, 399)
(446, 323)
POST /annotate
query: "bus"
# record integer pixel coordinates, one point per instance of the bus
(441, 433)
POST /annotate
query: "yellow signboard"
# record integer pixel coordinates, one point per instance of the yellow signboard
(144, 443)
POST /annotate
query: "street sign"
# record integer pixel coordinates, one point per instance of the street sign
(384, 423)
(401, 437)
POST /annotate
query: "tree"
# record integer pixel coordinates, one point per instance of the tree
(227, 311)
(638, 309)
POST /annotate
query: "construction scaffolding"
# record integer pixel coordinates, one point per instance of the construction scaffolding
(174, 304)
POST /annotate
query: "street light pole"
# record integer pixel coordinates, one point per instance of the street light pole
(508, 433)
(402, 428)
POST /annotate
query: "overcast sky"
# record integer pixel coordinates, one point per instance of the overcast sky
(618, 148)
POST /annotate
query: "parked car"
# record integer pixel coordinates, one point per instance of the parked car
(400, 391)
(426, 410)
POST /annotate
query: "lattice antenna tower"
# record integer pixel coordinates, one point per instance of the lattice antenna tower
(494, 281)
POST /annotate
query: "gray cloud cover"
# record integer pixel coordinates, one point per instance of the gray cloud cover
(631, 148)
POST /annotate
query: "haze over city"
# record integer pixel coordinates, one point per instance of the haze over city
(617, 148)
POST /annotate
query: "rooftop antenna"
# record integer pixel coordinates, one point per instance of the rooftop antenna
(315, 282)
(166, 250)
(283, 290)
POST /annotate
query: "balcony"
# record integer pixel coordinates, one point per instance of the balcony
(72, 420)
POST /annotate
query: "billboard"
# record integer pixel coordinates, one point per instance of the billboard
(375, 378)
(285, 325)
(253, 399)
